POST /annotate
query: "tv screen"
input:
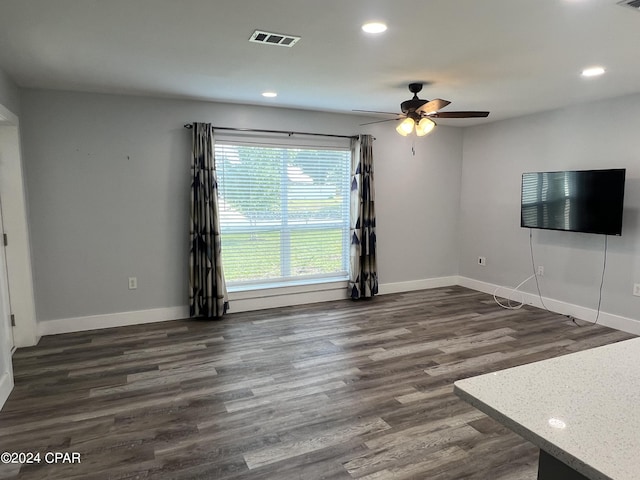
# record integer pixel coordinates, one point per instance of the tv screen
(587, 201)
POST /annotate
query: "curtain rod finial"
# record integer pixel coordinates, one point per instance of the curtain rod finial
(188, 126)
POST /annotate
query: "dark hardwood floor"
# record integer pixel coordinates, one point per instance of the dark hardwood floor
(336, 390)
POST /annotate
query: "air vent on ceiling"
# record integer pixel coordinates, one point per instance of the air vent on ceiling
(270, 38)
(635, 4)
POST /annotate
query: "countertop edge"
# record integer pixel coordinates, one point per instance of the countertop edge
(529, 435)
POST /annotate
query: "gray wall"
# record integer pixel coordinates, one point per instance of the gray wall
(108, 193)
(417, 203)
(592, 136)
(108, 184)
(9, 93)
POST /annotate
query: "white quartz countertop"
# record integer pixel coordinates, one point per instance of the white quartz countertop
(582, 408)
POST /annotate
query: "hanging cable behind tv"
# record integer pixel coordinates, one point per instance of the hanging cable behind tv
(509, 305)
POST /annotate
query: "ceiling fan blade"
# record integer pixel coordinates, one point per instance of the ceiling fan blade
(380, 121)
(460, 114)
(373, 111)
(433, 106)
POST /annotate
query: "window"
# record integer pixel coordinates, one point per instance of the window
(284, 213)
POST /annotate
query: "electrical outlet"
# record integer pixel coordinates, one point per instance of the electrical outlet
(540, 271)
(636, 289)
(133, 283)
(482, 261)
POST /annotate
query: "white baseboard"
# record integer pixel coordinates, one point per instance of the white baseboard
(121, 319)
(413, 285)
(6, 385)
(290, 296)
(241, 301)
(248, 301)
(618, 322)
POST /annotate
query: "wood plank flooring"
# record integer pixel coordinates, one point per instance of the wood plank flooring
(339, 390)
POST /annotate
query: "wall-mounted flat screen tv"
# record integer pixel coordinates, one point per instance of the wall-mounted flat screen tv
(587, 201)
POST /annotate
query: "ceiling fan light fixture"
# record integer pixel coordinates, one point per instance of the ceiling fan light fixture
(405, 127)
(417, 113)
(425, 126)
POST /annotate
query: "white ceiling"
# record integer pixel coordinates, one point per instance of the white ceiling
(511, 57)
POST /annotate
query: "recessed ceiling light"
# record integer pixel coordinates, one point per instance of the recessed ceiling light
(592, 71)
(374, 27)
(269, 94)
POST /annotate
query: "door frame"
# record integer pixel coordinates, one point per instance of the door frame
(18, 251)
(6, 333)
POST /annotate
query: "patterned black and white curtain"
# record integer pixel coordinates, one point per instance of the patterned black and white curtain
(363, 272)
(207, 289)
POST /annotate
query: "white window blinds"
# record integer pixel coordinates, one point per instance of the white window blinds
(284, 213)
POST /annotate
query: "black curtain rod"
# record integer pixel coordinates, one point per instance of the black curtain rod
(189, 126)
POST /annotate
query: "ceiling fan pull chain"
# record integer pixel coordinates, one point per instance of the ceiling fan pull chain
(413, 147)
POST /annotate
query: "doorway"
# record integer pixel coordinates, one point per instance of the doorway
(16, 278)
(6, 329)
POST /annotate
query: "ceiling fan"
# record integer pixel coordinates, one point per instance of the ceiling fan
(418, 113)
